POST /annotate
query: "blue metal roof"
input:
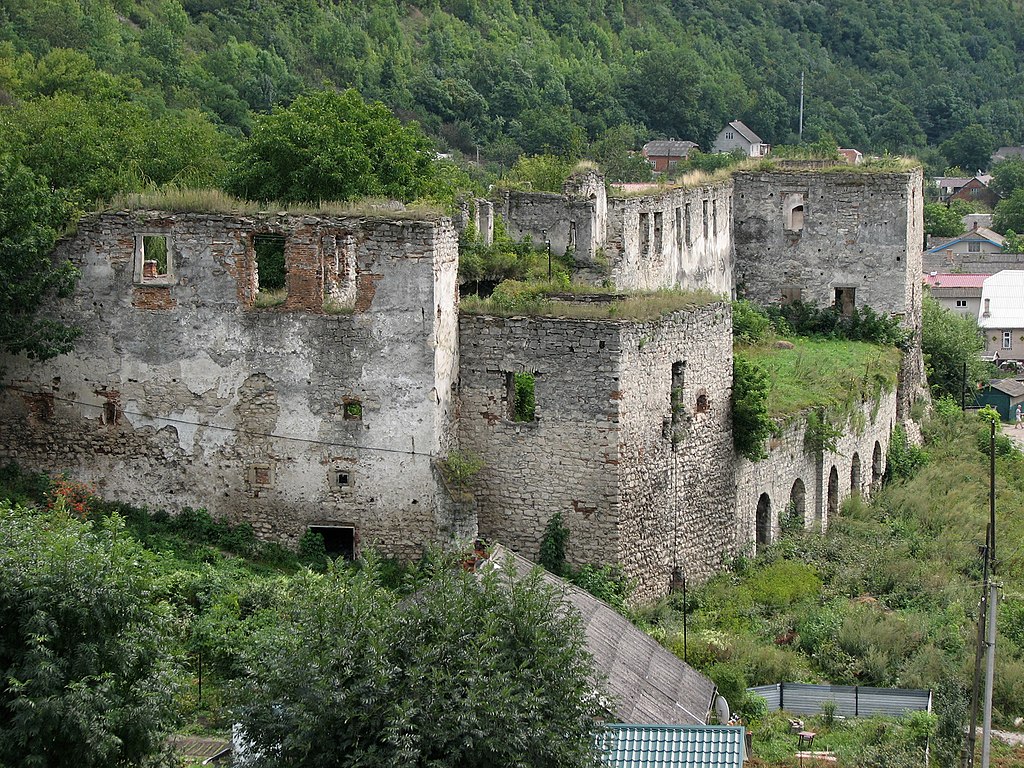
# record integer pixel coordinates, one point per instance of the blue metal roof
(672, 746)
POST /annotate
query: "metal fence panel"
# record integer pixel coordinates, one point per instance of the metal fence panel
(851, 701)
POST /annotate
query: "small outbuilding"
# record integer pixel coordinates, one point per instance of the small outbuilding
(1004, 395)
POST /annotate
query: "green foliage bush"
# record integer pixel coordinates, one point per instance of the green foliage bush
(903, 459)
(950, 341)
(750, 323)
(553, 543)
(605, 582)
(751, 422)
(783, 583)
(864, 324)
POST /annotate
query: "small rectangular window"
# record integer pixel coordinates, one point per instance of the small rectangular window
(645, 232)
(705, 219)
(790, 294)
(1007, 340)
(153, 260)
(961, 302)
(679, 228)
(689, 232)
(846, 301)
(520, 396)
(714, 216)
(974, 247)
(271, 285)
(353, 410)
(658, 226)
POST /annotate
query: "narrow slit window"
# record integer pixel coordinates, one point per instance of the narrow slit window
(678, 383)
(658, 227)
(679, 228)
(645, 232)
(705, 219)
(689, 230)
(271, 285)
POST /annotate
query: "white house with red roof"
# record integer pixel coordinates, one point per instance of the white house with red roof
(956, 292)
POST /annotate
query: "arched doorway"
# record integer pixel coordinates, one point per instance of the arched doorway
(833, 492)
(855, 474)
(798, 502)
(763, 522)
(877, 470)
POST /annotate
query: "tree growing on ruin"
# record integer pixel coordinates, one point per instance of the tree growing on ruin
(331, 145)
(31, 216)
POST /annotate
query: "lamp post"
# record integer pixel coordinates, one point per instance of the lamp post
(547, 246)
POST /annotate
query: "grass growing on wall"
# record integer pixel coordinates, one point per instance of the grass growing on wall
(832, 374)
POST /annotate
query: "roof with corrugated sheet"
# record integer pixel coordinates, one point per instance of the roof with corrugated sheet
(1002, 296)
(953, 280)
(658, 746)
(648, 683)
(668, 148)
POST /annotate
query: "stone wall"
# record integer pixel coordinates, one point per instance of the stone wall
(972, 263)
(633, 487)
(679, 238)
(675, 445)
(794, 473)
(182, 392)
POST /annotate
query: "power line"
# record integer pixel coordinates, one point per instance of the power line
(237, 430)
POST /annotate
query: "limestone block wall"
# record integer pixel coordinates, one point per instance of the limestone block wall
(676, 511)
(566, 222)
(567, 459)
(804, 234)
(680, 238)
(815, 482)
(182, 392)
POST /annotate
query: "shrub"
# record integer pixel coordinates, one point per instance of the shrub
(552, 544)
(903, 459)
(312, 550)
(751, 422)
(750, 323)
(605, 582)
(784, 583)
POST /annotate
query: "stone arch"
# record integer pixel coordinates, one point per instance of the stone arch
(877, 468)
(793, 208)
(833, 492)
(855, 474)
(763, 522)
(798, 501)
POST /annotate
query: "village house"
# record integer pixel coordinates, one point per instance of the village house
(664, 155)
(736, 135)
(1001, 318)
(959, 293)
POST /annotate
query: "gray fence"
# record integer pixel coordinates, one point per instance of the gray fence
(851, 700)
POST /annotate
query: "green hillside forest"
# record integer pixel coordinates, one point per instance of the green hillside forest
(104, 96)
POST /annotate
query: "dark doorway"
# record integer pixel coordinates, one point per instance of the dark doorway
(764, 521)
(798, 502)
(855, 474)
(833, 493)
(339, 541)
(876, 468)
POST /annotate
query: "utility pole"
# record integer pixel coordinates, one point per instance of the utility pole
(990, 661)
(801, 141)
(972, 734)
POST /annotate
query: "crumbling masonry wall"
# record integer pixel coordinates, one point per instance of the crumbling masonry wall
(633, 486)
(182, 392)
(679, 238)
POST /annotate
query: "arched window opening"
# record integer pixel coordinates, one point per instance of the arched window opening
(764, 521)
(855, 474)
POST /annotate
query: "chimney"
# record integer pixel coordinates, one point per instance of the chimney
(987, 312)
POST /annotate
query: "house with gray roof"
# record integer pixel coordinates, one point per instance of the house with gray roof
(1002, 314)
(664, 154)
(736, 135)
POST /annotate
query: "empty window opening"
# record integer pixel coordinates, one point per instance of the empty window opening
(153, 261)
(703, 403)
(678, 381)
(877, 468)
(572, 235)
(790, 294)
(521, 396)
(154, 256)
(846, 301)
(833, 493)
(658, 226)
(764, 522)
(342, 477)
(645, 232)
(339, 541)
(353, 410)
(705, 219)
(798, 502)
(271, 286)
(714, 217)
(110, 412)
(855, 474)
(689, 231)
(793, 206)
(679, 228)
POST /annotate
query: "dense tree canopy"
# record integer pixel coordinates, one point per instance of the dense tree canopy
(83, 657)
(464, 673)
(31, 216)
(950, 341)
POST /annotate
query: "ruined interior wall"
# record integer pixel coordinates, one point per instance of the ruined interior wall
(791, 459)
(565, 460)
(183, 393)
(565, 222)
(647, 244)
(676, 481)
